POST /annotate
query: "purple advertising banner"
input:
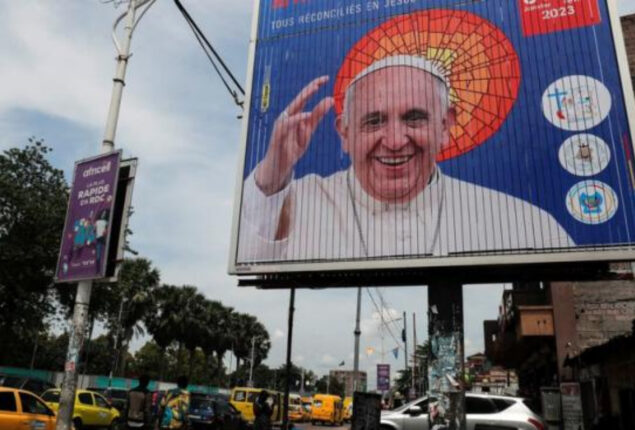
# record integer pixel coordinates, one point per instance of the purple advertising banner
(84, 246)
(383, 377)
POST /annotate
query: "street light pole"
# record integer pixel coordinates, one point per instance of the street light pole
(251, 362)
(82, 299)
(358, 332)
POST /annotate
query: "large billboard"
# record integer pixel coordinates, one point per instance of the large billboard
(85, 241)
(412, 133)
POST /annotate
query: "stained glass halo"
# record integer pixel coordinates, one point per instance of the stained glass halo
(480, 63)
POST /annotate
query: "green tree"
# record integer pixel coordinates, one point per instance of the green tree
(51, 352)
(129, 301)
(149, 360)
(330, 385)
(218, 337)
(163, 323)
(246, 328)
(33, 199)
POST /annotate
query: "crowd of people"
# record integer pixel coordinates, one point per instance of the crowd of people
(146, 410)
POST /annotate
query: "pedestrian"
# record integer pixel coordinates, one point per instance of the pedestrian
(138, 412)
(175, 406)
(262, 412)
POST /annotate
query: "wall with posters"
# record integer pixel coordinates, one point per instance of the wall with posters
(411, 133)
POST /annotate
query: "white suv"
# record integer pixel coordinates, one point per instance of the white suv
(483, 411)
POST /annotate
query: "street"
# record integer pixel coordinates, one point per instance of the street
(309, 426)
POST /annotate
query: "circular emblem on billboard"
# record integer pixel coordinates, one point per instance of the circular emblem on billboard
(584, 155)
(592, 202)
(471, 55)
(576, 102)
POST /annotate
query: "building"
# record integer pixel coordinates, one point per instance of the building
(482, 377)
(543, 330)
(345, 377)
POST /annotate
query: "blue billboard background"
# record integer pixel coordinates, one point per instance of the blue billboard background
(520, 159)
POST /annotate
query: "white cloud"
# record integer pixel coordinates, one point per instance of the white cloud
(278, 334)
(327, 359)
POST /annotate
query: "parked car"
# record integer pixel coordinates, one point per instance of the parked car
(482, 411)
(34, 385)
(118, 397)
(214, 412)
(20, 409)
(91, 409)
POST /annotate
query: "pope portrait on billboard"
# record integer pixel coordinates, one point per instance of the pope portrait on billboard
(403, 101)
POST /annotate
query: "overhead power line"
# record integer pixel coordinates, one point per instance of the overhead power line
(386, 326)
(213, 56)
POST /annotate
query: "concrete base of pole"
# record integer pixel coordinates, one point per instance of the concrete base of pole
(445, 365)
(75, 342)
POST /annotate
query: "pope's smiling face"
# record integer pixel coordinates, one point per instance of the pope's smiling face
(395, 122)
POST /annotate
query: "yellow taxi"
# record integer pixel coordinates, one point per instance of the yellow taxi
(243, 398)
(327, 409)
(91, 409)
(23, 410)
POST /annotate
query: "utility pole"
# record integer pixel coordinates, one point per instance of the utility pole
(414, 357)
(287, 376)
(405, 345)
(251, 362)
(357, 332)
(82, 298)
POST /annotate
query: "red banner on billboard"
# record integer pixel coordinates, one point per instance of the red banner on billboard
(548, 16)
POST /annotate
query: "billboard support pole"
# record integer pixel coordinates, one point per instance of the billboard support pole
(445, 366)
(287, 376)
(82, 299)
(357, 332)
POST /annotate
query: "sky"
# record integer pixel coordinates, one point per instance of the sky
(176, 117)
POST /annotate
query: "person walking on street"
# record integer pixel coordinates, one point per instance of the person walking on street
(175, 406)
(138, 412)
(262, 412)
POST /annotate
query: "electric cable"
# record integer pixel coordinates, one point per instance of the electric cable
(384, 324)
(207, 48)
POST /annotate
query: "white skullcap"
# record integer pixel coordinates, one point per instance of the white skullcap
(415, 61)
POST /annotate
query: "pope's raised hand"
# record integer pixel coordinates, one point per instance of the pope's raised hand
(290, 139)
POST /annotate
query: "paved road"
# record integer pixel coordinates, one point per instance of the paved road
(309, 426)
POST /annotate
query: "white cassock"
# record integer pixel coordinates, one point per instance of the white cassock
(333, 218)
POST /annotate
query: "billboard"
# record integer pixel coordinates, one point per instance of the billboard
(86, 236)
(411, 133)
(383, 377)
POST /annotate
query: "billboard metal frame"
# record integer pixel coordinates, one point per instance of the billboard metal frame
(560, 255)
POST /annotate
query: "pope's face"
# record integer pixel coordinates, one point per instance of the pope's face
(395, 124)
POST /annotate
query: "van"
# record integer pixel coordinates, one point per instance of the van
(327, 409)
(243, 398)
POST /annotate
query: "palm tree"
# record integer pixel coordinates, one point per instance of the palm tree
(245, 328)
(130, 301)
(163, 322)
(218, 339)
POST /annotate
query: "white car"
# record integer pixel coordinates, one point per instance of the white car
(483, 412)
